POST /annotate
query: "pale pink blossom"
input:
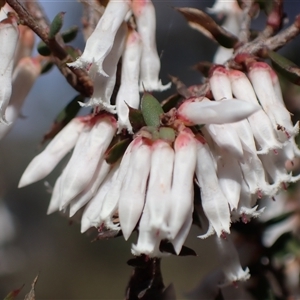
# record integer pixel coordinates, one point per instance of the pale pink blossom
(101, 41)
(46, 161)
(88, 151)
(182, 191)
(144, 13)
(133, 192)
(128, 94)
(214, 202)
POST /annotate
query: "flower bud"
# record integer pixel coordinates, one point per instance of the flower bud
(128, 93)
(182, 191)
(101, 41)
(104, 86)
(89, 150)
(192, 112)
(214, 202)
(91, 214)
(86, 195)
(261, 125)
(144, 13)
(132, 196)
(46, 161)
(158, 199)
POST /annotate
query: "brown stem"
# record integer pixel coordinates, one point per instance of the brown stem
(258, 46)
(77, 78)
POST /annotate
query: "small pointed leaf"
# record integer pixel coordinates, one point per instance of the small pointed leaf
(136, 118)
(202, 22)
(70, 34)
(117, 151)
(56, 25)
(285, 67)
(43, 49)
(151, 110)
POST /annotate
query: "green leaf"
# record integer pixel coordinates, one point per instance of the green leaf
(136, 118)
(117, 151)
(202, 22)
(70, 34)
(151, 110)
(285, 67)
(43, 49)
(56, 25)
(167, 134)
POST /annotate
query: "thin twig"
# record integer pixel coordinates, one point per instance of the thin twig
(77, 78)
(245, 26)
(257, 47)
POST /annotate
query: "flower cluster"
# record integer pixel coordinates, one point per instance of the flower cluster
(233, 142)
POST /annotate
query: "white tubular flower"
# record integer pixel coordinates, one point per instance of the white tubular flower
(24, 76)
(158, 199)
(204, 111)
(229, 259)
(227, 139)
(245, 134)
(230, 178)
(255, 176)
(214, 202)
(111, 199)
(101, 41)
(46, 161)
(182, 191)
(91, 215)
(276, 85)
(246, 209)
(55, 202)
(274, 164)
(220, 84)
(233, 20)
(261, 80)
(132, 196)
(9, 34)
(144, 13)
(89, 150)
(261, 125)
(89, 192)
(148, 242)
(128, 93)
(104, 86)
(25, 44)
